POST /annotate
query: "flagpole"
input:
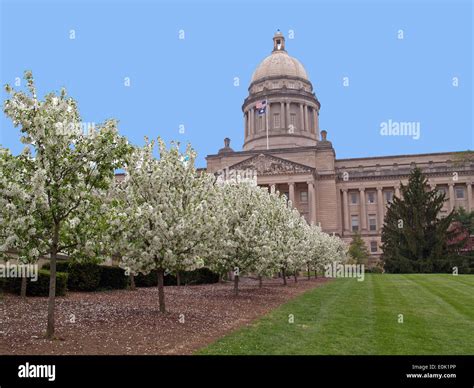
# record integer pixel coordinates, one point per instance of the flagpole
(267, 106)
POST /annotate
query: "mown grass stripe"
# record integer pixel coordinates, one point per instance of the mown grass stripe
(350, 317)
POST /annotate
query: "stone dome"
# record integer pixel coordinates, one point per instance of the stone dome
(279, 64)
(281, 109)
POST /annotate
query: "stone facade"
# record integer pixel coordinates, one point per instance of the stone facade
(282, 145)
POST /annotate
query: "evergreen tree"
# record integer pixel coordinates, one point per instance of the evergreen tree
(465, 218)
(358, 250)
(414, 237)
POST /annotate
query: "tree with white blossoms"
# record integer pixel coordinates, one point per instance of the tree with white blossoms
(70, 172)
(333, 250)
(245, 234)
(166, 212)
(315, 248)
(19, 235)
(288, 232)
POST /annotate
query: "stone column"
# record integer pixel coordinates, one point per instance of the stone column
(311, 203)
(282, 115)
(380, 207)
(397, 191)
(249, 122)
(252, 122)
(301, 118)
(291, 193)
(306, 123)
(268, 118)
(246, 124)
(345, 209)
(316, 118)
(363, 212)
(287, 115)
(451, 196)
(469, 196)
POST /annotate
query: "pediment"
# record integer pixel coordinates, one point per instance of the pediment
(265, 164)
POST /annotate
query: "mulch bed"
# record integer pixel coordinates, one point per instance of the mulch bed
(129, 322)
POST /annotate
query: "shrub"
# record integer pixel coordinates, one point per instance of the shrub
(170, 280)
(61, 266)
(112, 278)
(84, 276)
(41, 286)
(148, 280)
(375, 269)
(199, 276)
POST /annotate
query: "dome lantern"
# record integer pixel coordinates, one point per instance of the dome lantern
(278, 41)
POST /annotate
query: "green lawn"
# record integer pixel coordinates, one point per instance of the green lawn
(350, 317)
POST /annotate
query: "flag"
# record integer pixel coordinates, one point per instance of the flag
(261, 107)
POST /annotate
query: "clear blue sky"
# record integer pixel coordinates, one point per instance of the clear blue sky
(190, 81)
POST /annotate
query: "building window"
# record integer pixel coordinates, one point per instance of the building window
(442, 190)
(372, 222)
(459, 192)
(260, 123)
(304, 196)
(388, 196)
(291, 85)
(275, 85)
(293, 119)
(354, 199)
(287, 195)
(276, 120)
(373, 246)
(355, 223)
(371, 197)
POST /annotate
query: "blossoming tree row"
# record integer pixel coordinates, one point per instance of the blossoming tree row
(60, 196)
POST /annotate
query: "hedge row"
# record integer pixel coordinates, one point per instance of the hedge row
(198, 276)
(38, 288)
(93, 277)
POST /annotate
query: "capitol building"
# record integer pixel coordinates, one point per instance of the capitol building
(286, 148)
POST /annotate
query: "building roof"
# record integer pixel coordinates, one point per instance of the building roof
(279, 63)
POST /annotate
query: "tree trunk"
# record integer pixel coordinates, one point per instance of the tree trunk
(178, 278)
(296, 276)
(23, 287)
(260, 282)
(309, 273)
(161, 289)
(236, 285)
(132, 282)
(316, 274)
(283, 272)
(52, 284)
